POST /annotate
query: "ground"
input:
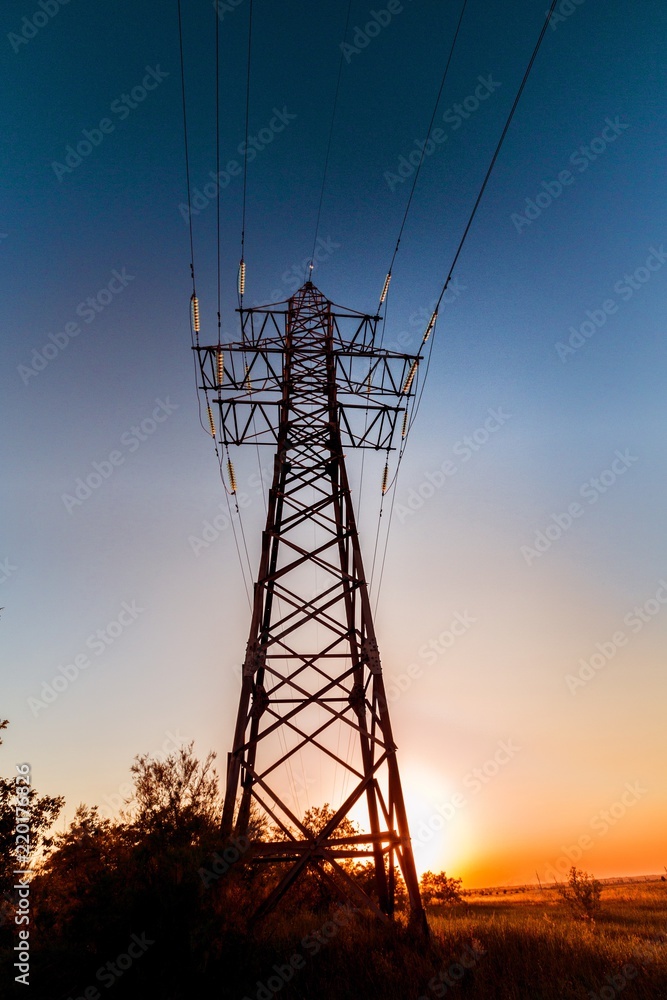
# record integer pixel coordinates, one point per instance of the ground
(513, 945)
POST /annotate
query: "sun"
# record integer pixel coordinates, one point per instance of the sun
(439, 827)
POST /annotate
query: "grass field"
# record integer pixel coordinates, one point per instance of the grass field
(512, 946)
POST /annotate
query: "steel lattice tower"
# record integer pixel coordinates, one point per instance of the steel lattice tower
(306, 378)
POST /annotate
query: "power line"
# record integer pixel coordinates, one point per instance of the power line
(194, 311)
(497, 150)
(423, 153)
(479, 198)
(331, 128)
(217, 153)
(241, 278)
(193, 334)
(185, 138)
(236, 541)
(459, 249)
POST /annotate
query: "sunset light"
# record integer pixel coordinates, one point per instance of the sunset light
(334, 574)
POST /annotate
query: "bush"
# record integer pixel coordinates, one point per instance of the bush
(581, 893)
(440, 888)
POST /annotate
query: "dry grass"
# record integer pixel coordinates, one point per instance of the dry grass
(533, 949)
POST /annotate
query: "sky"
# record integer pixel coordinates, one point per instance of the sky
(523, 608)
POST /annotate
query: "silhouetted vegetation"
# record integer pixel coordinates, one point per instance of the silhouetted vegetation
(581, 893)
(43, 811)
(155, 905)
(440, 888)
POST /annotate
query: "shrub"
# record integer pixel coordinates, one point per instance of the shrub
(440, 888)
(581, 893)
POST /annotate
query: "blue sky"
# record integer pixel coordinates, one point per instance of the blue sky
(111, 230)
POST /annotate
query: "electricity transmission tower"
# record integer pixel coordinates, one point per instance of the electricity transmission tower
(307, 379)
